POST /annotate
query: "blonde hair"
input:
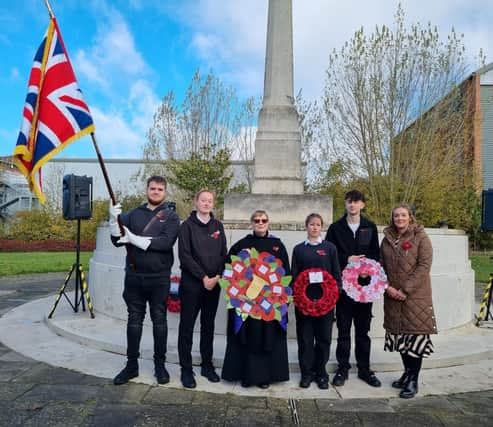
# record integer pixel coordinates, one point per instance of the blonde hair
(412, 218)
(258, 212)
(204, 190)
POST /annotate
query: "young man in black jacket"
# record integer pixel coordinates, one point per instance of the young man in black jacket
(354, 237)
(150, 232)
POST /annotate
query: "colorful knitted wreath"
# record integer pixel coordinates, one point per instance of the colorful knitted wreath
(364, 267)
(255, 285)
(322, 305)
(173, 303)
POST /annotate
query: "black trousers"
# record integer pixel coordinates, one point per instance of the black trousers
(347, 311)
(194, 298)
(314, 335)
(139, 291)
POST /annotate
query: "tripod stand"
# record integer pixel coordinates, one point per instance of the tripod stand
(80, 284)
(485, 303)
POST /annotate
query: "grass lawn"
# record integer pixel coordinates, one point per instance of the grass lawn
(482, 266)
(13, 263)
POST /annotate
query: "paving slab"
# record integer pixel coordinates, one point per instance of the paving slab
(127, 393)
(45, 394)
(355, 405)
(57, 414)
(370, 419)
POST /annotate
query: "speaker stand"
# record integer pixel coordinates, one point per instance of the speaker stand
(80, 284)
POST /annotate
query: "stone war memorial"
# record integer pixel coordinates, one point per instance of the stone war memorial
(278, 189)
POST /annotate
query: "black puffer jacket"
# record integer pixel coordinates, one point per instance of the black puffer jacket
(158, 258)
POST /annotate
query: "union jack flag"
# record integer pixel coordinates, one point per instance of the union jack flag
(55, 113)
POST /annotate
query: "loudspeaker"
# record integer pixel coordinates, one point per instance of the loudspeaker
(77, 197)
(487, 210)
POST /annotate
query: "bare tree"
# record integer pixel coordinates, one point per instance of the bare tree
(203, 123)
(392, 110)
(209, 127)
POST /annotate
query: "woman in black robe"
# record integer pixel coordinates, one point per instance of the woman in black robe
(257, 353)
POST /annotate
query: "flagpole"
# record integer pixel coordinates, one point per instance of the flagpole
(103, 169)
(50, 10)
(106, 179)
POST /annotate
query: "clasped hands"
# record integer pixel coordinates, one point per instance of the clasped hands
(210, 282)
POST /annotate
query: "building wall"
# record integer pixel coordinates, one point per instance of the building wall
(127, 176)
(487, 131)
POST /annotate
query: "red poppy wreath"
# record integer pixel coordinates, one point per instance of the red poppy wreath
(322, 305)
(173, 303)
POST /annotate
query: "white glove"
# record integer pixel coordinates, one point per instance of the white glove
(141, 242)
(114, 211)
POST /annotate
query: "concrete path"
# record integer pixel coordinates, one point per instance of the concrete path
(35, 392)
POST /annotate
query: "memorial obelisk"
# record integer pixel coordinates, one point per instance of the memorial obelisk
(278, 180)
(277, 144)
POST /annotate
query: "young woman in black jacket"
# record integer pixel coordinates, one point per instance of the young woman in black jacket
(314, 331)
(202, 251)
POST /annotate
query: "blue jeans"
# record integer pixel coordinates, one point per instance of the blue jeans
(138, 291)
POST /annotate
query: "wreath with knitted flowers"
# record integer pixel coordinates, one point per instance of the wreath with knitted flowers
(328, 286)
(364, 267)
(255, 285)
(173, 303)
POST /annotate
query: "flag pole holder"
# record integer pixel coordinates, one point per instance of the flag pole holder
(81, 288)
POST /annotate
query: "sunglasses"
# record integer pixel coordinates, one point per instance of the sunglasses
(260, 221)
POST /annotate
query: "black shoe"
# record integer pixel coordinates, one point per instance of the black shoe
(210, 374)
(339, 378)
(369, 378)
(161, 373)
(187, 379)
(306, 380)
(323, 382)
(410, 389)
(126, 374)
(264, 385)
(245, 384)
(402, 381)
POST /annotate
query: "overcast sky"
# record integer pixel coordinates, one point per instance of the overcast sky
(127, 54)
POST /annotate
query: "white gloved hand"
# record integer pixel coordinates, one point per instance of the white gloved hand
(114, 211)
(115, 229)
(141, 242)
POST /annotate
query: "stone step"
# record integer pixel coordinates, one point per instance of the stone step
(452, 347)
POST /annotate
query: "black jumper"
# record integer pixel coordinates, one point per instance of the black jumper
(202, 252)
(365, 242)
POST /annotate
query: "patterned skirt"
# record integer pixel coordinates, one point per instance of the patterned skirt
(411, 344)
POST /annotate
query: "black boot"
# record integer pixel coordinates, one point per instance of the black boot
(209, 372)
(131, 370)
(187, 378)
(161, 373)
(410, 389)
(402, 381)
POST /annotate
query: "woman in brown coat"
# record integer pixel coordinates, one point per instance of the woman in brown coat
(409, 319)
